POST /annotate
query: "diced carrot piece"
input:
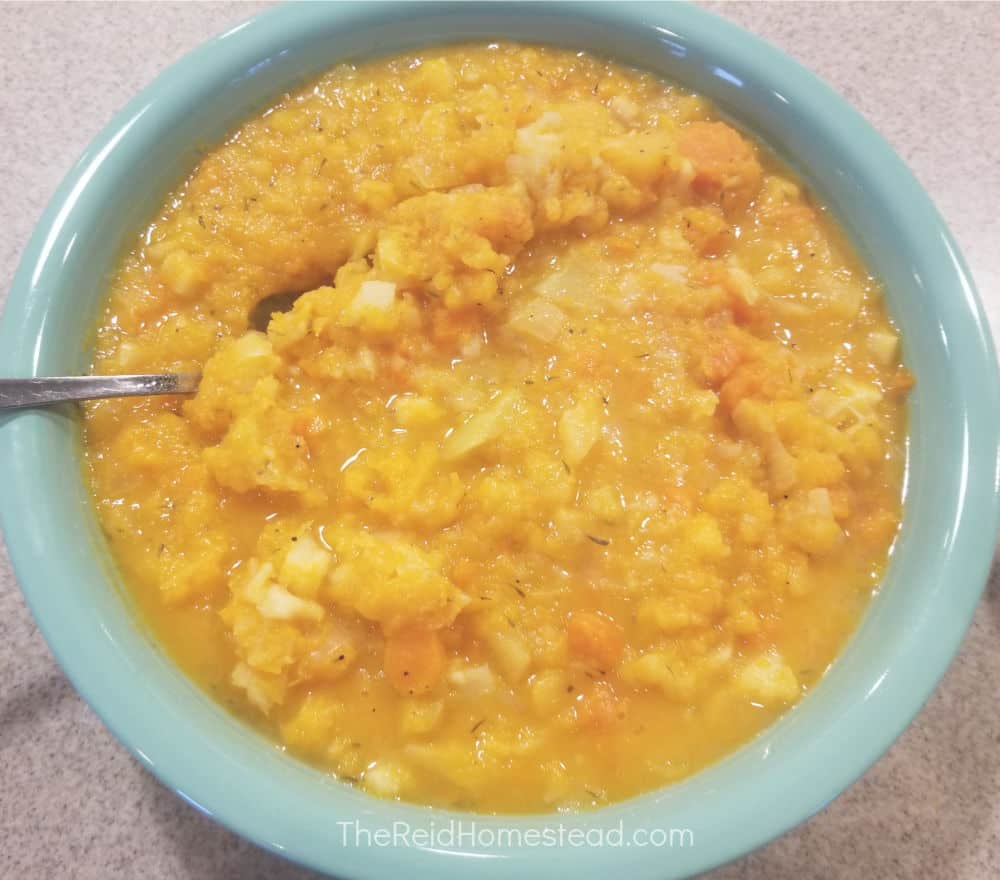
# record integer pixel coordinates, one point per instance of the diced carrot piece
(413, 660)
(902, 381)
(621, 245)
(743, 312)
(725, 167)
(706, 230)
(722, 357)
(745, 380)
(462, 572)
(315, 426)
(754, 378)
(683, 496)
(877, 527)
(797, 220)
(451, 326)
(596, 638)
(599, 707)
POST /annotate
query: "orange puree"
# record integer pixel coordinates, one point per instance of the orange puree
(573, 469)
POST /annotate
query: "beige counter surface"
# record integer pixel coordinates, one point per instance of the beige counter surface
(74, 804)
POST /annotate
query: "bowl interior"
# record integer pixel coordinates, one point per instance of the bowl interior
(889, 667)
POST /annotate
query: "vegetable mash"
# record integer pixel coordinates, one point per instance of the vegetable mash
(573, 468)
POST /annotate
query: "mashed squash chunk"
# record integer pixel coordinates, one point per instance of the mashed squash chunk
(573, 465)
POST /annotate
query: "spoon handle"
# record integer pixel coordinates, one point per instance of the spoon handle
(17, 393)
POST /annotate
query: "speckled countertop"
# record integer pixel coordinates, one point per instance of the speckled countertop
(74, 804)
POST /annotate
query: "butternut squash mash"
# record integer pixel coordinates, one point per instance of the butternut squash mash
(573, 469)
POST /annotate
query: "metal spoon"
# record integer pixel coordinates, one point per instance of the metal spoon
(20, 393)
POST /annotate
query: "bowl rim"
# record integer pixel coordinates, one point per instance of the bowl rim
(226, 792)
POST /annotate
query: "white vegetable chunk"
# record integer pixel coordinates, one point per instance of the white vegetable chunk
(244, 677)
(473, 681)
(883, 345)
(540, 320)
(676, 273)
(768, 679)
(279, 604)
(579, 430)
(384, 779)
(305, 566)
(481, 428)
(374, 294)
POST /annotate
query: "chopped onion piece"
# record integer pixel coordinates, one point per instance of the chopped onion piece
(540, 320)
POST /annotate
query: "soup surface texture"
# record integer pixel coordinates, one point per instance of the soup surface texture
(573, 469)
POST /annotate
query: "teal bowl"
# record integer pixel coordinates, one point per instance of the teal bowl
(888, 669)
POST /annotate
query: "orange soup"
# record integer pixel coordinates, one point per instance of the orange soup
(571, 469)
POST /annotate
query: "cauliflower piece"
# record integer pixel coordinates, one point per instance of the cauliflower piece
(415, 411)
(310, 729)
(305, 566)
(264, 691)
(643, 158)
(472, 681)
(847, 402)
(769, 679)
(285, 329)
(266, 645)
(572, 182)
(408, 488)
(385, 779)
(391, 581)
(279, 604)
(357, 307)
(229, 380)
(550, 692)
(455, 245)
(262, 449)
(418, 716)
(536, 149)
(672, 614)
(663, 670)
(624, 108)
(704, 537)
(782, 466)
(184, 273)
(606, 503)
(742, 506)
(259, 575)
(363, 305)
(328, 651)
(374, 295)
(807, 521)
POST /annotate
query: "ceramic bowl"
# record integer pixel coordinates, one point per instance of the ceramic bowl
(881, 679)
